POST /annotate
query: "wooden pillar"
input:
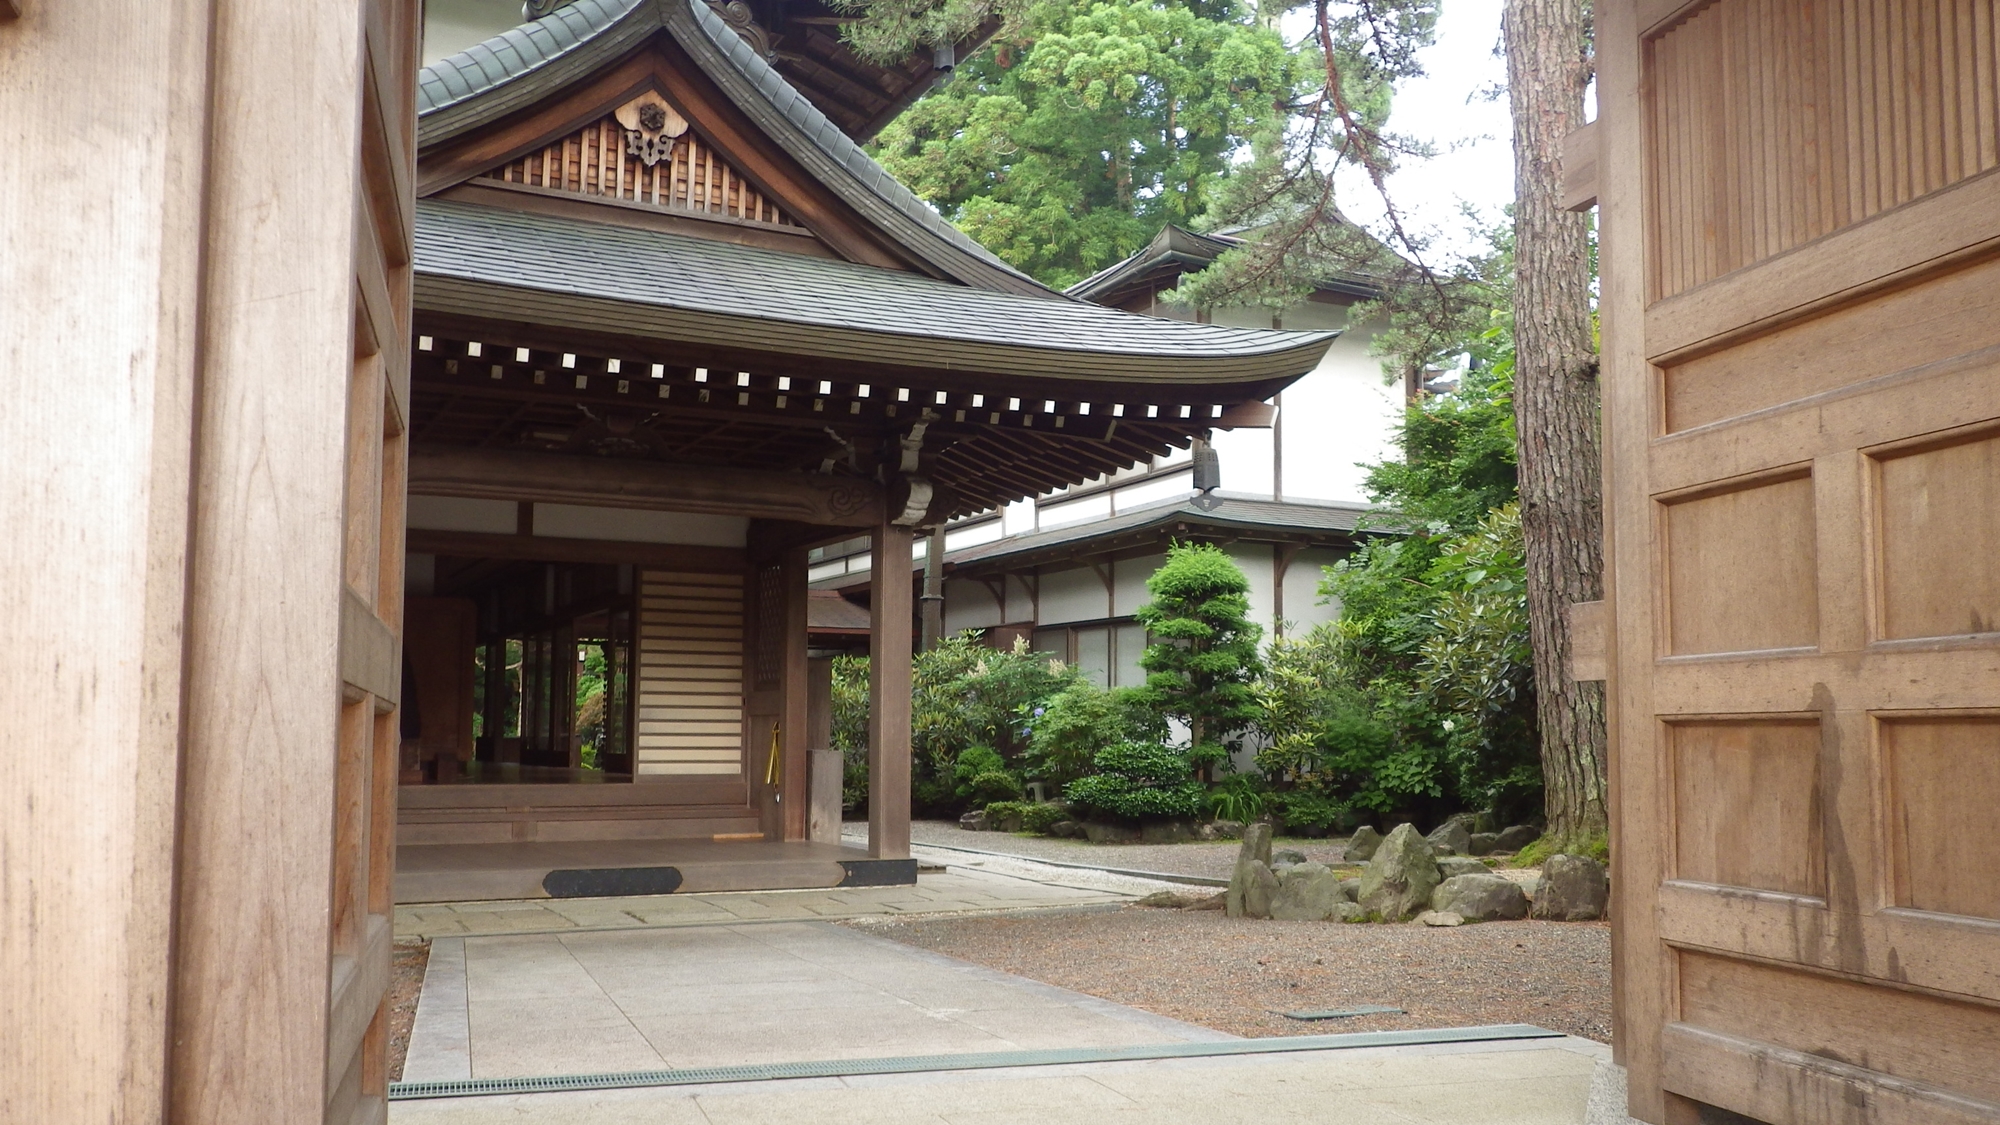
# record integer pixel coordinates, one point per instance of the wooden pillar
(794, 724)
(889, 694)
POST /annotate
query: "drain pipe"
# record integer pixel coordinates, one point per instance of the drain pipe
(933, 599)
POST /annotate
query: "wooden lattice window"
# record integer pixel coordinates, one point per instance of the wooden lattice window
(693, 177)
(770, 626)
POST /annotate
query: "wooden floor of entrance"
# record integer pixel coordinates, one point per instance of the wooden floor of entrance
(496, 839)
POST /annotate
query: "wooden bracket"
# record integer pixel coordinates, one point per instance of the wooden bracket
(1588, 641)
(1579, 188)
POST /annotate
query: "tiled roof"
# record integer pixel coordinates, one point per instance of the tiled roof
(528, 63)
(475, 260)
(1190, 252)
(1233, 513)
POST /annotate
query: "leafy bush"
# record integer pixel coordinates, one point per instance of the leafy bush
(850, 728)
(1036, 816)
(1205, 660)
(1138, 781)
(1241, 797)
(980, 776)
(1082, 719)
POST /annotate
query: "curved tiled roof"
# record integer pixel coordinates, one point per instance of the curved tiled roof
(478, 261)
(524, 65)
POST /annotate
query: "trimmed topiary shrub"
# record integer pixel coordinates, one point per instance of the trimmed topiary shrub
(1139, 781)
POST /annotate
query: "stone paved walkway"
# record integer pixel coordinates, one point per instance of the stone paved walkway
(969, 885)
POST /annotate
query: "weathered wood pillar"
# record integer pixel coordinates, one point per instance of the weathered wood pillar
(889, 693)
(933, 599)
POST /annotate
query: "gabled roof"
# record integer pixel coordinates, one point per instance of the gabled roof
(476, 261)
(1244, 516)
(528, 64)
(1176, 251)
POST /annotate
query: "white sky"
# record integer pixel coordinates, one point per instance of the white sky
(1448, 108)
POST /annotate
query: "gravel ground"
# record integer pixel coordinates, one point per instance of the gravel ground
(1214, 860)
(405, 982)
(1236, 975)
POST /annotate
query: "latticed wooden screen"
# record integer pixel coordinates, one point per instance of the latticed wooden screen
(694, 177)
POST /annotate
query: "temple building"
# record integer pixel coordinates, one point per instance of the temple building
(674, 331)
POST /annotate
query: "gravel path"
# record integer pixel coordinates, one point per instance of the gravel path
(405, 982)
(1235, 975)
(1212, 860)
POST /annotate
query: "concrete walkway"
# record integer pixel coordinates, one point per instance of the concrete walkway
(1541, 1082)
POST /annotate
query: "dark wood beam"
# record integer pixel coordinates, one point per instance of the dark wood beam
(545, 548)
(555, 478)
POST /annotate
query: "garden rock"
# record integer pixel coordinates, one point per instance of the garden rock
(1173, 900)
(1259, 888)
(1167, 832)
(1287, 856)
(1350, 889)
(1485, 843)
(1067, 829)
(1255, 849)
(974, 821)
(1306, 893)
(1109, 833)
(1483, 898)
(1453, 834)
(1451, 865)
(1225, 829)
(1440, 918)
(1361, 847)
(1573, 889)
(1519, 836)
(1217, 901)
(1347, 912)
(1401, 877)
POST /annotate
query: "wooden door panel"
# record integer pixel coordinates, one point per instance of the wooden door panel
(1802, 412)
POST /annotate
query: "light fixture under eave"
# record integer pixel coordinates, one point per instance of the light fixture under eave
(1207, 476)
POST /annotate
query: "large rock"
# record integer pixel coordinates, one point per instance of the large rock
(1481, 898)
(1513, 839)
(1450, 865)
(1301, 870)
(1401, 877)
(1361, 847)
(1109, 833)
(1350, 889)
(974, 821)
(1440, 918)
(1454, 834)
(1167, 832)
(1287, 857)
(1573, 889)
(1256, 848)
(1260, 887)
(1067, 829)
(1306, 893)
(1347, 912)
(1485, 843)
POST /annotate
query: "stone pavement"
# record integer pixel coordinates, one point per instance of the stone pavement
(989, 885)
(1539, 1082)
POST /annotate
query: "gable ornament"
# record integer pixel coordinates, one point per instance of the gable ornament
(651, 127)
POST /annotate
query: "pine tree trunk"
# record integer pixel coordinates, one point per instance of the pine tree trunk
(1555, 403)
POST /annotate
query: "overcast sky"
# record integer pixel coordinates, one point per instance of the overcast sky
(1448, 108)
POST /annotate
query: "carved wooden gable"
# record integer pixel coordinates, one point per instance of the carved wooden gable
(645, 152)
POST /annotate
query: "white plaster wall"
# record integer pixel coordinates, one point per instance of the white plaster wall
(1129, 583)
(632, 525)
(1302, 590)
(1072, 595)
(1338, 415)
(1076, 511)
(1020, 600)
(969, 605)
(1019, 517)
(456, 513)
(1257, 563)
(984, 532)
(1249, 461)
(1174, 486)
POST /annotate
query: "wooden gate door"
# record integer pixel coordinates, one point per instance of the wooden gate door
(1801, 221)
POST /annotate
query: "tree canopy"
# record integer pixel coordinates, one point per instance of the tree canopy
(1069, 143)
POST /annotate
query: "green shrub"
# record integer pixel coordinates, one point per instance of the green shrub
(1035, 816)
(1205, 659)
(850, 728)
(980, 776)
(1081, 719)
(1310, 814)
(1139, 781)
(1240, 797)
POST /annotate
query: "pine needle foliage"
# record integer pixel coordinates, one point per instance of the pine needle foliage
(1204, 663)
